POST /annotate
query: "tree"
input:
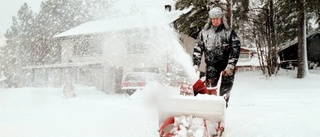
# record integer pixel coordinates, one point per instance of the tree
(19, 35)
(96, 9)
(261, 24)
(302, 42)
(57, 16)
(280, 26)
(292, 23)
(30, 39)
(272, 45)
(285, 21)
(18, 49)
(54, 17)
(312, 8)
(256, 31)
(309, 10)
(193, 21)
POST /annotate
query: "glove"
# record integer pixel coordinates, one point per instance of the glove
(228, 71)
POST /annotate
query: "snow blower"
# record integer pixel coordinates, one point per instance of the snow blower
(198, 112)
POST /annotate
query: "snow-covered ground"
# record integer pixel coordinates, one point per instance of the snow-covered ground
(281, 106)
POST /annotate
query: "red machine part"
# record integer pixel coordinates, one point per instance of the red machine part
(169, 121)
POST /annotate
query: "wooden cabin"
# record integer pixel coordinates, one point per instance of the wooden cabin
(289, 52)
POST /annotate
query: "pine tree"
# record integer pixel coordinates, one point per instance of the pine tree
(19, 40)
(57, 16)
(302, 42)
(286, 17)
(54, 17)
(96, 9)
(284, 20)
(193, 21)
(312, 8)
(30, 40)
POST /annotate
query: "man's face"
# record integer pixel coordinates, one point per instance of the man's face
(216, 21)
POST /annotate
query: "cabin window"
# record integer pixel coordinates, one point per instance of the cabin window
(87, 46)
(246, 55)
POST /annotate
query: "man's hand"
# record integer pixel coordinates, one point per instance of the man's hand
(228, 71)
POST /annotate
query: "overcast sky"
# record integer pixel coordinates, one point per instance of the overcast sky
(9, 8)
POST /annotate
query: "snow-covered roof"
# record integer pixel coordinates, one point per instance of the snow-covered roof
(290, 43)
(249, 49)
(122, 23)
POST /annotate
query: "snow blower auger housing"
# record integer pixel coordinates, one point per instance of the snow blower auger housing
(186, 115)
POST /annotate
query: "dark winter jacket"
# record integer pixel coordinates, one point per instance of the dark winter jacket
(220, 46)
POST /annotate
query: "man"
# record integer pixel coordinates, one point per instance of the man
(221, 48)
